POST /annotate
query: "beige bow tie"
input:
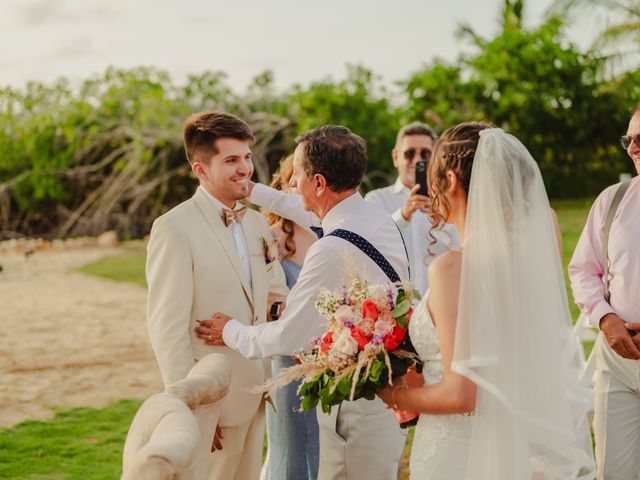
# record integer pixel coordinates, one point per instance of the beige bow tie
(229, 215)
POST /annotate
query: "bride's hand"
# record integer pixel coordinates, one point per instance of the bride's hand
(386, 393)
(413, 379)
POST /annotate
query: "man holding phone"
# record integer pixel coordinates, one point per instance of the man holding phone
(407, 201)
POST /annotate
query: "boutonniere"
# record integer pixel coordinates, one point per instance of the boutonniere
(267, 250)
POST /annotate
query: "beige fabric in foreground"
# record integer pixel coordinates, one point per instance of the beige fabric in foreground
(166, 440)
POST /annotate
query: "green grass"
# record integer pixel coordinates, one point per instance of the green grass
(572, 215)
(127, 267)
(82, 443)
(87, 443)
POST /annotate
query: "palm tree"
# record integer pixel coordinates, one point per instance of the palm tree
(511, 17)
(619, 39)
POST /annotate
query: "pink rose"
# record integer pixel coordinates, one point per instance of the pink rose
(366, 326)
(382, 328)
(344, 313)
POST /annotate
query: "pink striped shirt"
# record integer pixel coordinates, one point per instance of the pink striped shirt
(586, 268)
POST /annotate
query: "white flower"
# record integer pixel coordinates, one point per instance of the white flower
(378, 293)
(345, 344)
(326, 303)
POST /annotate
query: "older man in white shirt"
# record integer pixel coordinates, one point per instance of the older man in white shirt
(360, 439)
(401, 200)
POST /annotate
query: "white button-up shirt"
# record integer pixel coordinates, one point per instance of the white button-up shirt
(415, 232)
(324, 267)
(235, 229)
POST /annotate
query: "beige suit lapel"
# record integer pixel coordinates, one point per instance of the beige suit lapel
(215, 222)
(253, 237)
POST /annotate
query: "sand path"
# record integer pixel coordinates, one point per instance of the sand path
(68, 339)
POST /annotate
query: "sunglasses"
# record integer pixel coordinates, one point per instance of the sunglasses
(424, 153)
(626, 140)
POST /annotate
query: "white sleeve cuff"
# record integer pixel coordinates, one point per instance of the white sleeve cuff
(598, 311)
(230, 333)
(261, 195)
(399, 219)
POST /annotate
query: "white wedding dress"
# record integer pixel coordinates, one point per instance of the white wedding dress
(441, 442)
(512, 338)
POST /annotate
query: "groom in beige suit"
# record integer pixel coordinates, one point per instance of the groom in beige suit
(211, 254)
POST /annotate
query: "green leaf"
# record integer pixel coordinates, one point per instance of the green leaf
(344, 385)
(309, 402)
(376, 369)
(401, 309)
(310, 388)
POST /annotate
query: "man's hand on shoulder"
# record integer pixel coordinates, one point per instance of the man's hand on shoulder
(210, 331)
(619, 336)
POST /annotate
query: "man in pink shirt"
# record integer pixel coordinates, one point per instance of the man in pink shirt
(617, 350)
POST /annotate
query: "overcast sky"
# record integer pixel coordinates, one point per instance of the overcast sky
(298, 40)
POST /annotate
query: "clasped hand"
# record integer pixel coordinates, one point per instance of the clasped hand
(622, 337)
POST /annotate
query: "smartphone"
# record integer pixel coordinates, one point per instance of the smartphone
(421, 177)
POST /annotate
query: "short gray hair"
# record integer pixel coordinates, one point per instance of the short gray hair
(416, 128)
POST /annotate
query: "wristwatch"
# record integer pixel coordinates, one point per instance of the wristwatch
(275, 310)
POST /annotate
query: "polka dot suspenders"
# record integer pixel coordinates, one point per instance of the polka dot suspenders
(372, 252)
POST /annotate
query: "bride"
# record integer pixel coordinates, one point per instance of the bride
(499, 395)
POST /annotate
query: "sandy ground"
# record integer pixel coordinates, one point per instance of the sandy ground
(68, 339)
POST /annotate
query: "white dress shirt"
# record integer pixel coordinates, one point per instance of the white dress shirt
(235, 228)
(324, 267)
(415, 232)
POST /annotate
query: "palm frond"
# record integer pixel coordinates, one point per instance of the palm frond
(466, 32)
(617, 34)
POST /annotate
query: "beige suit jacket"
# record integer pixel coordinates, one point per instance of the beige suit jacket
(193, 270)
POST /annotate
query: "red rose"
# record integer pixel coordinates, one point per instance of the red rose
(369, 309)
(360, 338)
(327, 340)
(395, 338)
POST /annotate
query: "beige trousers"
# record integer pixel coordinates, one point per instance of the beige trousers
(359, 440)
(241, 454)
(616, 422)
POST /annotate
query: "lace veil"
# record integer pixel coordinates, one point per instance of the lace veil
(512, 336)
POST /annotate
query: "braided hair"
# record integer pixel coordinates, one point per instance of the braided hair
(454, 151)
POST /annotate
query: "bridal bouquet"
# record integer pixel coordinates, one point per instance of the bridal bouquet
(365, 345)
